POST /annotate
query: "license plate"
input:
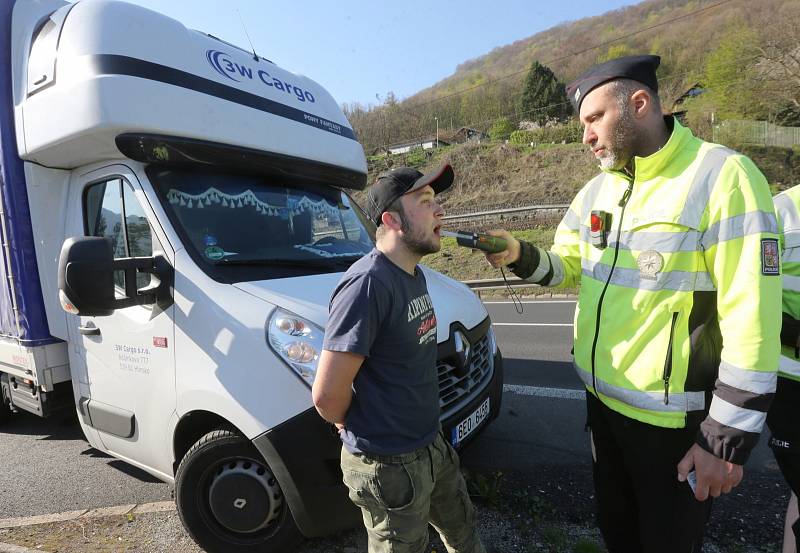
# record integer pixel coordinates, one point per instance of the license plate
(468, 425)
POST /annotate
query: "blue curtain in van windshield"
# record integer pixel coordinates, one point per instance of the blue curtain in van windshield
(20, 259)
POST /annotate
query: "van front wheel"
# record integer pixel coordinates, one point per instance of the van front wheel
(229, 500)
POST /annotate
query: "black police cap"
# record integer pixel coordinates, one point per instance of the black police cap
(393, 184)
(638, 68)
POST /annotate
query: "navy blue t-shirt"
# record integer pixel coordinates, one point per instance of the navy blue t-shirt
(385, 314)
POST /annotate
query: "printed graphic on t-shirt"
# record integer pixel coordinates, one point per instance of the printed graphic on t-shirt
(422, 308)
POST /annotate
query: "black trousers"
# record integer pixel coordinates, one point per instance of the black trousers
(783, 420)
(642, 508)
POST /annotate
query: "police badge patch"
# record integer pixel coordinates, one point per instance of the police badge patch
(650, 263)
(770, 264)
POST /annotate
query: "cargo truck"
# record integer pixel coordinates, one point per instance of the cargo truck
(175, 212)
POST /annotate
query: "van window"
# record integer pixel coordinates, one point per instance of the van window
(111, 210)
(278, 227)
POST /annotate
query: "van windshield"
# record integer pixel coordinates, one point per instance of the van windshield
(260, 227)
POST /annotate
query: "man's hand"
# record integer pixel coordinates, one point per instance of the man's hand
(507, 256)
(714, 476)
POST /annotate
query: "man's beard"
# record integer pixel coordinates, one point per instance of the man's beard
(620, 148)
(415, 242)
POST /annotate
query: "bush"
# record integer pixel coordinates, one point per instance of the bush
(567, 133)
(501, 129)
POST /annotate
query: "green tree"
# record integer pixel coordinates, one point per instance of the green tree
(616, 51)
(731, 88)
(501, 129)
(543, 96)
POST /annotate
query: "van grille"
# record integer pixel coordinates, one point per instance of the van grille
(456, 390)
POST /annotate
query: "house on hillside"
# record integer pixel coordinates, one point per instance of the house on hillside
(425, 144)
(466, 134)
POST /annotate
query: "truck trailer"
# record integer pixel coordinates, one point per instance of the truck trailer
(175, 212)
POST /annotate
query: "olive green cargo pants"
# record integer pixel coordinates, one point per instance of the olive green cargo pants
(400, 494)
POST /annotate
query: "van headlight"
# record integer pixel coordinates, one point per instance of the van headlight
(297, 341)
(492, 341)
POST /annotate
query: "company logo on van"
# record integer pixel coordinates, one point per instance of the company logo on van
(235, 71)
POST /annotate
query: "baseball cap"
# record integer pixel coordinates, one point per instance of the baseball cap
(403, 180)
(637, 68)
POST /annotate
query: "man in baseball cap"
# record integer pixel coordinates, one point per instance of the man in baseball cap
(399, 182)
(377, 379)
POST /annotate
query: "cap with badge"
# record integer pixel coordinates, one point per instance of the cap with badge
(404, 180)
(637, 68)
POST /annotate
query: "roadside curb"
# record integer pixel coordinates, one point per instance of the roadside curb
(11, 548)
(133, 509)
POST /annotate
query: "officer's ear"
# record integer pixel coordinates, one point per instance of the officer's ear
(642, 103)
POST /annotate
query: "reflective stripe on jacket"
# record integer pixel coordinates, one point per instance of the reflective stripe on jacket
(691, 259)
(787, 208)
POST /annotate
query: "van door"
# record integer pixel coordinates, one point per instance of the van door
(128, 357)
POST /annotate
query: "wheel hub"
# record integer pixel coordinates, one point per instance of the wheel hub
(244, 496)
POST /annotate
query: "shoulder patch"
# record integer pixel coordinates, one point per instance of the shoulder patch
(769, 257)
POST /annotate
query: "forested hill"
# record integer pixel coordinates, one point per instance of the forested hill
(745, 52)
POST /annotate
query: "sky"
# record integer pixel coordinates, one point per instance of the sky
(361, 49)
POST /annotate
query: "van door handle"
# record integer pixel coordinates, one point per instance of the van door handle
(89, 330)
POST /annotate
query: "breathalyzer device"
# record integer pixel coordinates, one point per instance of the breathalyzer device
(485, 242)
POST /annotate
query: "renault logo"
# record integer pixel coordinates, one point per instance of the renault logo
(463, 352)
(240, 503)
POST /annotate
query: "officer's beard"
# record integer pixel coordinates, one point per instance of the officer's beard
(622, 145)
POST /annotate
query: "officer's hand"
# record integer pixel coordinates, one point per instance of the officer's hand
(509, 255)
(714, 476)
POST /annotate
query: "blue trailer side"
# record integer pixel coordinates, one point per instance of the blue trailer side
(22, 311)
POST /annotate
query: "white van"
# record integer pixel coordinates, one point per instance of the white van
(187, 204)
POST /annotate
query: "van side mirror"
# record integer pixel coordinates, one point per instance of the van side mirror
(86, 278)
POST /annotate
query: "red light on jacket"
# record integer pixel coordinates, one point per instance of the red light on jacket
(597, 223)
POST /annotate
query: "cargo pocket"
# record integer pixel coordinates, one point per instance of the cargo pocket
(395, 489)
(360, 479)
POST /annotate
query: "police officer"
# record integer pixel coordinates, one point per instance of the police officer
(784, 415)
(675, 247)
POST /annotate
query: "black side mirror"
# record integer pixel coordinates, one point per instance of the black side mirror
(86, 278)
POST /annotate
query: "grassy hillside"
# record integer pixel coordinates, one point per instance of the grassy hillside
(500, 175)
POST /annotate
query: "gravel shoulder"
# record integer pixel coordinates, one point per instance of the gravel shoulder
(550, 511)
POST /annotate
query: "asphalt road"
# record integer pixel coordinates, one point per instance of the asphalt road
(538, 435)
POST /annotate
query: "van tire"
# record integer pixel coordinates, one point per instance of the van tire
(5, 412)
(228, 499)
(5, 400)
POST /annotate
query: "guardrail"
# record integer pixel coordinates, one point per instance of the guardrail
(496, 283)
(505, 211)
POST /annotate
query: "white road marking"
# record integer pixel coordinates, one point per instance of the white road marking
(561, 393)
(531, 324)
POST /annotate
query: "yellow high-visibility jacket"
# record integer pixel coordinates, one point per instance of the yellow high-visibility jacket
(682, 300)
(787, 207)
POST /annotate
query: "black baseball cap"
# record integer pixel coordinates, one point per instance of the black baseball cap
(398, 182)
(637, 68)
